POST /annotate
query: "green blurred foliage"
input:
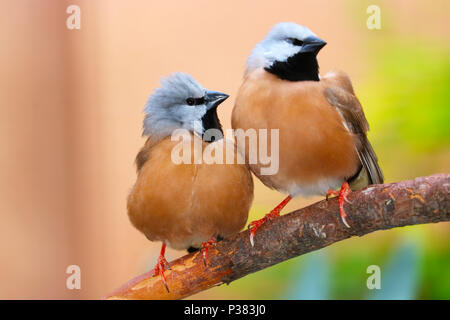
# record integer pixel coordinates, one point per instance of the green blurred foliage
(407, 102)
(414, 102)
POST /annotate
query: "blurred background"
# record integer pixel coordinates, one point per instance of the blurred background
(71, 103)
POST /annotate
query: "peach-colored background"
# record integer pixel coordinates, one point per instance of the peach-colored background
(71, 103)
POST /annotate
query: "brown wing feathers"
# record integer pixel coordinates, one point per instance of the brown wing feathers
(355, 120)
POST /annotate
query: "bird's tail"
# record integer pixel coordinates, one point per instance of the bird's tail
(369, 161)
(370, 172)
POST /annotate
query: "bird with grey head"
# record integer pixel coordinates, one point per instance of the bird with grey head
(322, 126)
(289, 51)
(186, 205)
(182, 103)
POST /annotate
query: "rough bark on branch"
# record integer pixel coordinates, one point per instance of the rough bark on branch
(377, 207)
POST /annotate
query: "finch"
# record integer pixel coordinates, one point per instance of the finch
(186, 205)
(322, 127)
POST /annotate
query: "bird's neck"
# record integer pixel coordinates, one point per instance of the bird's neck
(300, 67)
(210, 121)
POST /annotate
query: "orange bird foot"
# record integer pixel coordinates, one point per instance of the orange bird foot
(205, 246)
(342, 196)
(254, 225)
(161, 266)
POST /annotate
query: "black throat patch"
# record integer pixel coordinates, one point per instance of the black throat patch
(211, 121)
(300, 67)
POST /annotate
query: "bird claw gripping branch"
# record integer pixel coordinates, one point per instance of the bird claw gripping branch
(342, 196)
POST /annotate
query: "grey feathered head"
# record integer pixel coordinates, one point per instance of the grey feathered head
(284, 40)
(181, 103)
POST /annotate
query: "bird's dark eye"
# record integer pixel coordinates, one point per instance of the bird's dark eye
(295, 41)
(195, 101)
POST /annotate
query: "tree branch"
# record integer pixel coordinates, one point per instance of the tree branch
(377, 207)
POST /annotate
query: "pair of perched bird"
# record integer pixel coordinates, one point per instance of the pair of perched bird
(322, 145)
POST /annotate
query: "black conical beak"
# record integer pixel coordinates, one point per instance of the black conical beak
(313, 44)
(214, 98)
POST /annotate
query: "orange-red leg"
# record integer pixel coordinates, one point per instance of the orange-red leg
(205, 246)
(161, 266)
(254, 225)
(342, 196)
